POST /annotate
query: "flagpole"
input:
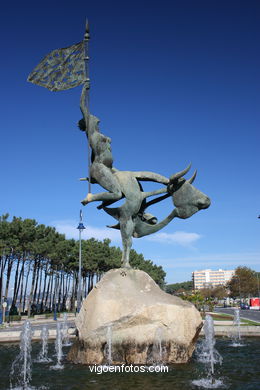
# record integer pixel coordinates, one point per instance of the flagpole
(87, 82)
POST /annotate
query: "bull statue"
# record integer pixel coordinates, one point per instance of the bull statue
(133, 219)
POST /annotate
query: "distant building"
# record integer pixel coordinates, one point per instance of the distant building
(207, 278)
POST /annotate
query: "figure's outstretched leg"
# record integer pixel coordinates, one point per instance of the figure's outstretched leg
(103, 197)
(107, 180)
(151, 176)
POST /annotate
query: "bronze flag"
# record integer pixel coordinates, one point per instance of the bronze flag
(61, 69)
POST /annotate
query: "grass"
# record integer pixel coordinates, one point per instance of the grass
(219, 317)
(249, 322)
(228, 317)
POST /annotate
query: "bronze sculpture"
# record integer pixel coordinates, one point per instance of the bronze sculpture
(64, 69)
(133, 221)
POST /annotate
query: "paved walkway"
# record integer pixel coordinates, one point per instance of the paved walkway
(11, 332)
(226, 328)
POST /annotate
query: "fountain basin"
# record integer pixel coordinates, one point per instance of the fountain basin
(239, 371)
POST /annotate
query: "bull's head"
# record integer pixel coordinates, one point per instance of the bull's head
(186, 198)
(187, 201)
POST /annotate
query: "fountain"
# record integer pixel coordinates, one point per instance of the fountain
(108, 348)
(43, 355)
(58, 348)
(209, 355)
(158, 350)
(236, 332)
(20, 375)
(65, 331)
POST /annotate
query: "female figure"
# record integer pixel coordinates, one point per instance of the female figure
(101, 170)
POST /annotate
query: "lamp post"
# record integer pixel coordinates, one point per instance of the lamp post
(80, 227)
(55, 298)
(4, 309)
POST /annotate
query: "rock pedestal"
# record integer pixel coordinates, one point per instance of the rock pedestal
(128, 319)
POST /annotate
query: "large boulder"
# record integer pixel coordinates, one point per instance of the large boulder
(128, 319)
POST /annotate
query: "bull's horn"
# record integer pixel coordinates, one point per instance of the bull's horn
(191, 180)
(178, 175)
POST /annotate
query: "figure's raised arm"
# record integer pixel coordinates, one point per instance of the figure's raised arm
(89, 123)
(83, 106)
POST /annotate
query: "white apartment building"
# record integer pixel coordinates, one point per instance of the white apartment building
(209, 278)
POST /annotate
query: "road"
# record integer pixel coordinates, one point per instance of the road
(253, 315)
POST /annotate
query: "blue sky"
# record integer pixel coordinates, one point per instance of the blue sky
(173, 82)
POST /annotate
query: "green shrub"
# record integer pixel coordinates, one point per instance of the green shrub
(14, 318)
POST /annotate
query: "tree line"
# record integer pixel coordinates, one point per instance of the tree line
(178, 288)
(245, 283)
(42, 265)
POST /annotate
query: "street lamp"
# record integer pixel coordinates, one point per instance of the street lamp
(80, 227)
(55, 295)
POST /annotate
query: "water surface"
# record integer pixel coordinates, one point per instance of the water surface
(239, 371)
